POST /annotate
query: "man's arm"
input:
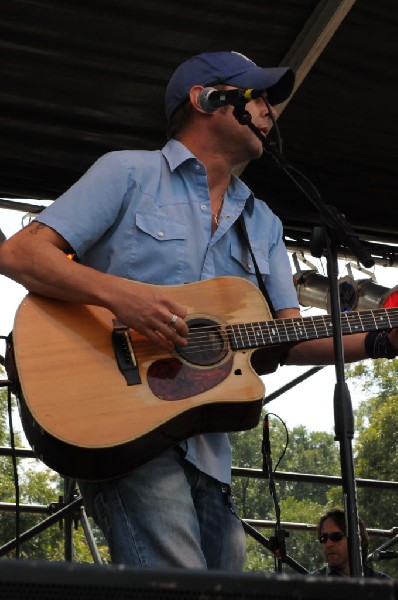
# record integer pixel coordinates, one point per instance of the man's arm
(320, 352)
(36, 257)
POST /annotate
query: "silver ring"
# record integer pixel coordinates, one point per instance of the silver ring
(173, 319)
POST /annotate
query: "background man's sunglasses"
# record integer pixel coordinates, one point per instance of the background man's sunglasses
(335, 536)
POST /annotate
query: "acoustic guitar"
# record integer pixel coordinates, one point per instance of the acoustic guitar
(98, 399)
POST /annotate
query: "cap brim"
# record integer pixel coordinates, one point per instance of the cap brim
(278, 81)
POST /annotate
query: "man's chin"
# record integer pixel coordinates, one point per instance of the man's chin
(334, 560)
(257, 152)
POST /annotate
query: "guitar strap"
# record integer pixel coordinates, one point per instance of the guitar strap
(274, 356)
(243, 234)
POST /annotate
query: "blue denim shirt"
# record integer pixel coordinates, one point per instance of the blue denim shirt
(145, 215)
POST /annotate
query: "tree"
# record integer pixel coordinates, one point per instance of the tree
(300, 451)
(317, 452)
(376, 445)
(37, 485)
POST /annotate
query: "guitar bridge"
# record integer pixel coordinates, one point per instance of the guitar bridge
(124, 353)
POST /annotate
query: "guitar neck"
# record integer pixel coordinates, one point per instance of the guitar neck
(282, 331)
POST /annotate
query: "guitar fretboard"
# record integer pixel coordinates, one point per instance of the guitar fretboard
(281, 331)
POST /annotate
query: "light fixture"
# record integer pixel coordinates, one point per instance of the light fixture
(313, 288)
(372, 295)
(355, 294)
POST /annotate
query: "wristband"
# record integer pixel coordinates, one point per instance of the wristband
(378, 345)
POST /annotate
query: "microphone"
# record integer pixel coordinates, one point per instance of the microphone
(210, 99)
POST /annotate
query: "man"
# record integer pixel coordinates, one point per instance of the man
(170, 217)
(333, 539)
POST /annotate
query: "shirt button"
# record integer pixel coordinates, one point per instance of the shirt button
(197, 167)
(160, 234)
(203, 207)
(249, 267)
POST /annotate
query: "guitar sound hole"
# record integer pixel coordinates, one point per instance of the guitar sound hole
(207, 343)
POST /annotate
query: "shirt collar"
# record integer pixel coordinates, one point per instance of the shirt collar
(176, 154)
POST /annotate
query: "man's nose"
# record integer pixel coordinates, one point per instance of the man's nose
(270, 110)
(274, 112)
(329, 542)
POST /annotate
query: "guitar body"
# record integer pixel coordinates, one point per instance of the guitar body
(85, 421)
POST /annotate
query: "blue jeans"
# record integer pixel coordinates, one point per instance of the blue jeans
(167, 513)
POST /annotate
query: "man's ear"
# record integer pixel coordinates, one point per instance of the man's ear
(193, 96)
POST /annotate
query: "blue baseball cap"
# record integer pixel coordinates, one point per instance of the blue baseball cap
(231, 68)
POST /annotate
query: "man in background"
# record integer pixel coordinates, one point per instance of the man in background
(333, 540)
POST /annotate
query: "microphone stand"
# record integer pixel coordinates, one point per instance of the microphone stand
(335, 232)
(277, 543)
(382, 552)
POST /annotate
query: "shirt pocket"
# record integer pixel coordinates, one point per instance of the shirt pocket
(161, 228)
(241, 255)
(159, 249)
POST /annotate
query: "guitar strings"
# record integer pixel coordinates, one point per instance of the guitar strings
(293, 326)
(263, 333)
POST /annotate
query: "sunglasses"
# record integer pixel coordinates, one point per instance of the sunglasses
(335, 536)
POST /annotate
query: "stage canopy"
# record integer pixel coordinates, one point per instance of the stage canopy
(82, 77)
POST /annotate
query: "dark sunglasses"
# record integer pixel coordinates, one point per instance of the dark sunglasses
(335, 536)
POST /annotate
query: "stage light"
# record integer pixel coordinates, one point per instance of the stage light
(349, 293)
(372, 295)
(313, 289)
(355, 294)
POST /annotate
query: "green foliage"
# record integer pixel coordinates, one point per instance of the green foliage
(377, 377)
(302, 545)
(42, 488)
(376, 449)
(375, 457)
(306, 452)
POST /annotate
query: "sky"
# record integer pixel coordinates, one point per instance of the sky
(310, 403)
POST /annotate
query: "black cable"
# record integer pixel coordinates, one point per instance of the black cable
(244, 118)
(277, 542)
(330, 217)
(275, 126)
(286, 443)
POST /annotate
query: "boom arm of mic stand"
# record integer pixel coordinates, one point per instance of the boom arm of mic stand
(260, 538)
(332, 219)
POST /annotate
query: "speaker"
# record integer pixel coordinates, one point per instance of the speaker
(31, 580)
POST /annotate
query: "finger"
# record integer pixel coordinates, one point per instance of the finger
(178, 323)
(181, 331)
(170, 329)
(178, 313)
(157, 339)
(172, 321)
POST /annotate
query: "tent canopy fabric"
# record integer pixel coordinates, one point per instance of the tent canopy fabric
(81, 78)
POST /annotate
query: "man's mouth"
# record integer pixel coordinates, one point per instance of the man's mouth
(264, 131)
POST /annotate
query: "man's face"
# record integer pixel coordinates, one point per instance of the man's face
(240, 136)
(335, 552)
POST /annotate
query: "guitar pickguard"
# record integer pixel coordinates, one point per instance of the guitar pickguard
(170, 379)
